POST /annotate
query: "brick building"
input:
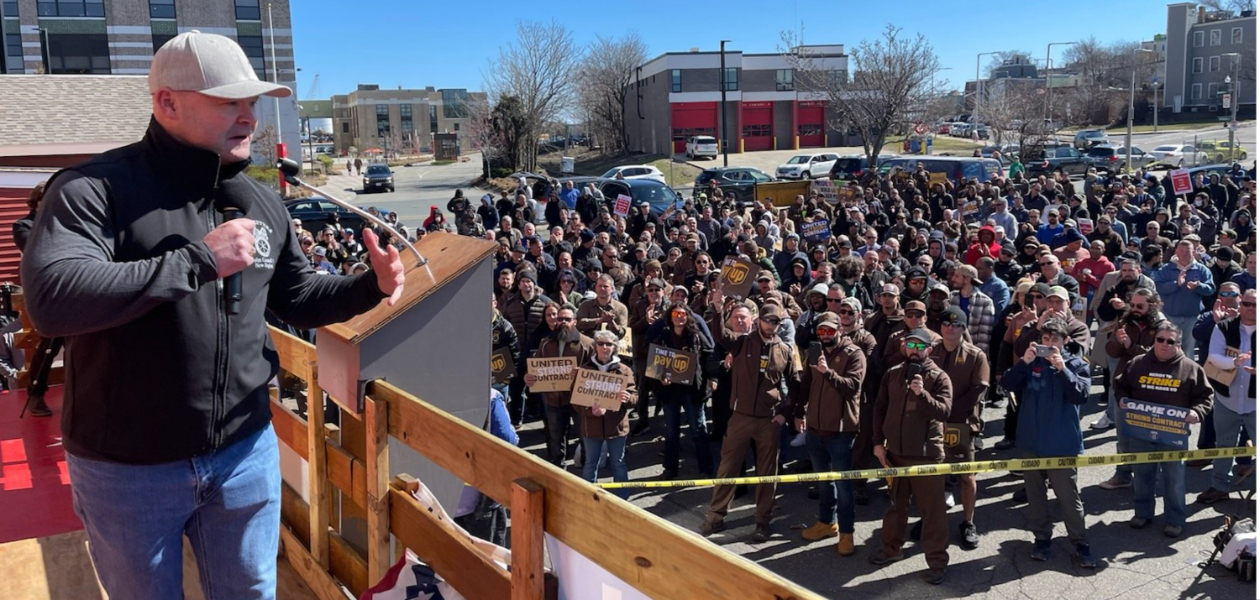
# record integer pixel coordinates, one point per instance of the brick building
(399, 120)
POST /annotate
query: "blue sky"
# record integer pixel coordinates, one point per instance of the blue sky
(412, 44)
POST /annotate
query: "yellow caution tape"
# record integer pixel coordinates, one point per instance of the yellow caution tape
(983, 466)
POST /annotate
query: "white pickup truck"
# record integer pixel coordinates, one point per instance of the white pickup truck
(702, 145)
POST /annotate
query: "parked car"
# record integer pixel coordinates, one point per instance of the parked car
(1088, 138)
(974, 131)
(854, 166)
(1113, 159)
(702, 145)
(943, 128)
(957, 168)
(806, 166)
(732, 179)
(1176, 156)
(1003, 149)
(958, 129)
(1219, 151)
(1047, 159)
(658, 195)
(378, 178)
(636, 172)
(315, 213)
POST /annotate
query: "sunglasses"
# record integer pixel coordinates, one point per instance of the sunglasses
(848, 312)
(826, 331)
(915, 315)
(834, 300)
(771, 320)
(564, 319)
(1249, 304)
(605, 344)
(951, 324)
(1045, 264)
(1229, 294)
(1168, 341)
(916, 345)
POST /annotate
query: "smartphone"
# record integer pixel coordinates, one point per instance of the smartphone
(1043, 351)
(815, 352)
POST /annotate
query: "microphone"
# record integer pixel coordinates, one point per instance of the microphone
(232, 293)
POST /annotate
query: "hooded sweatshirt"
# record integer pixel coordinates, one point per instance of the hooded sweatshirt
(987, 238)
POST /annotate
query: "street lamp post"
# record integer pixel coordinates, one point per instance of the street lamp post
(1046, 114)
(1128, 134)
(1155, 85)
(1234, 97)
(722, 83)
(975, 117)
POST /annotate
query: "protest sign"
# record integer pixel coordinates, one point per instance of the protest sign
(1181, 181)
(551, 374)
(737, 276)
(825, 188)
(679, 364)
(845, 193)
(818, 230)
(1157, 423)
(597, 388)
(935, 178)
(1219, 375)
(622, 206)
(1085, 226)
(502, 368)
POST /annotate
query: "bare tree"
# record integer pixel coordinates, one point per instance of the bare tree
(606, 76)
(1015, 115)
(537, 69)
(1007, 57)
(1229, 6)
(482, 133)
(1103, 75)
(891, 77)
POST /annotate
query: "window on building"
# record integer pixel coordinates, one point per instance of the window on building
(1196, 91)
(1212, 93)
(455, 126)
(10, 8)
(732, 79)
(783, 80)
(162, 9)
(253, 47)
(454, 104)
(675, 80)
(71, 8)
(78, 53)
(247, 10)
(408, 125)
(433, 118)
(14, 63)
(1214, 64)
(1198, 39)
(1214, 37)
(1196, 65)
(382, 120)
(838, 77)
(159, 40)
(345, 127)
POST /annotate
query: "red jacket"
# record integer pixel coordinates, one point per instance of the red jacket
(976, 251)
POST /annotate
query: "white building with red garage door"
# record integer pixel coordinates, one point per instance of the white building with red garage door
(678, 95)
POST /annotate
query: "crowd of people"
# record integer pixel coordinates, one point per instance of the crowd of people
(923, 303)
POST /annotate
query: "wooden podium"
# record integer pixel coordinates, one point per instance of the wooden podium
(434, 343)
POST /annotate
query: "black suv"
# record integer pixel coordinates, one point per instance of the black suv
(732, 179)
(377, 178)
(1045, 160)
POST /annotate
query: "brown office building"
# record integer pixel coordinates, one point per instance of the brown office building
(399, 120)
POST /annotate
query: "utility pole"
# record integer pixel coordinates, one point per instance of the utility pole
(1156, 86)
(975, 117)
(1234, 97)
(722, 83)
(1128, 134)
(1046, 114)
(275, 74)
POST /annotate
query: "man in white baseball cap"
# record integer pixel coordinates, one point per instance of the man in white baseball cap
(132, 259)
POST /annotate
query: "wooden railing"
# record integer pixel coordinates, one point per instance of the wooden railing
(349, 469)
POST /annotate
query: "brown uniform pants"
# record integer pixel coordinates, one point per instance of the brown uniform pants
(740, 431)
(929, 496)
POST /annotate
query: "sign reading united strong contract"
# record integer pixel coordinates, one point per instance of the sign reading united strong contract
(680, 365)
(737, 276)
(1157, 423)
(551, 374)
(597, 388)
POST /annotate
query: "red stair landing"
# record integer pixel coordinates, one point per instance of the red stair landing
(34, 486)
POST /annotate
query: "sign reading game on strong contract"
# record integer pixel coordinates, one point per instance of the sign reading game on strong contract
(551, 374)
(1157, 423)
(679, 365)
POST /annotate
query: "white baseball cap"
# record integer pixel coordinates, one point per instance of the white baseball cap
(211, 64)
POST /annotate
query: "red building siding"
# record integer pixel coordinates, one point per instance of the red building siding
(811, 125)
(12, 208)
(757, 120)
(692, 118)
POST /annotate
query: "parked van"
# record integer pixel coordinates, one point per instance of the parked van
(702, 145)
(958, 169)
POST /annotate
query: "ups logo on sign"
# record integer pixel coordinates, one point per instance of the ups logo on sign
(952, 436)
(736, 274)
(681, 363)
(498, 363)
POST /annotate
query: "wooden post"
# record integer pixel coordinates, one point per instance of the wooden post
(333, 433)
(317, 470)
(409, 484)
(377, 433)
(527, 540)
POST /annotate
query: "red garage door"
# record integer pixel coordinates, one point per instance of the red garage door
(758, 125)
(811, 125)
(691, 119)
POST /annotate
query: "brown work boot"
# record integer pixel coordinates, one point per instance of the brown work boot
(711, 527)
(844, 546)
(39, 408)
(819, 531)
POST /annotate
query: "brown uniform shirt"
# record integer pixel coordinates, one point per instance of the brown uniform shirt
(968, 371)
(912, 425)
(758, 369)
(829, 402)
(589, 317)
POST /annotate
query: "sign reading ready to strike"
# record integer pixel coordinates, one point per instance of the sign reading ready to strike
(597, 388)
(680, 365)
(551, 374)
(1158, 423)
(737, 276)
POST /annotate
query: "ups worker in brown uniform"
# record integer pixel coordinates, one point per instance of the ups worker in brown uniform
(761, 366)
(828, 410)
(564, 341)
(910, 411)
(968, 371)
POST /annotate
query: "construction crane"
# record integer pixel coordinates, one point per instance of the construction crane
(313, 91)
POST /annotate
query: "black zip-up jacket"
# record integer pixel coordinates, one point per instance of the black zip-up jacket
(156, 371)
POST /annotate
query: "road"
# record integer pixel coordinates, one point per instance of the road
(416, 189)
(1246, 136)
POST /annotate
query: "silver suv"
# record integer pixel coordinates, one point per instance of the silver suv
(1088, 138)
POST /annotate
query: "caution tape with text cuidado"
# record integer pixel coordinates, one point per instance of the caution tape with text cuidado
(980, 466)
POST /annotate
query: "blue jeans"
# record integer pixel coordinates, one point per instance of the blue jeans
(677, 406)
(835, 498)
(1173, 475)
(1186, 325)
(1228, 424)
(614, 449)
(227, 503)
